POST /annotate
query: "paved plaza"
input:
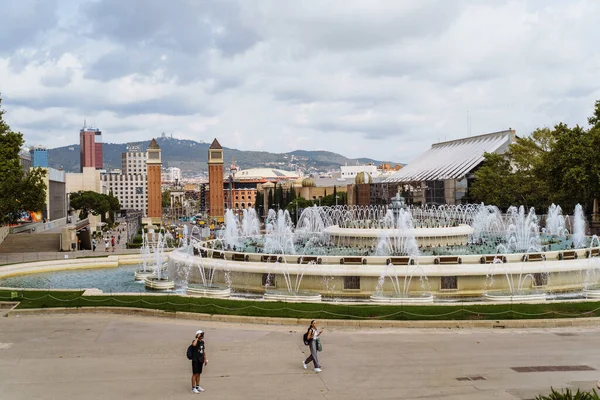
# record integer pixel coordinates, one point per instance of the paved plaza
(136, 357)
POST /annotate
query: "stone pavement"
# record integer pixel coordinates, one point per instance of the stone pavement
(134, 357)
(13, 258)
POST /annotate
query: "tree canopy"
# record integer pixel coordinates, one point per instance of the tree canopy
(558, 165)
(88, 202)
(19, 192)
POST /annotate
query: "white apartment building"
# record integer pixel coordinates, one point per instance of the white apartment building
(350, 171)
(130, 184)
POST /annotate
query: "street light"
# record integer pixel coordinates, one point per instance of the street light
(336, 199)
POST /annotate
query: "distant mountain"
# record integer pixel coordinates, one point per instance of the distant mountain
(191, 157)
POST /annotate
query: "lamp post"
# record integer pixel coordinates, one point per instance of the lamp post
(336, 199)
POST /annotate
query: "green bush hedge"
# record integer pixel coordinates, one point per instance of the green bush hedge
(568, 395)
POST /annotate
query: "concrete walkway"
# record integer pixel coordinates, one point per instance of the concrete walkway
(115, 357)
(13, 258)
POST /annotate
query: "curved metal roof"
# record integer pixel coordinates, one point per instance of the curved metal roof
(453, 159)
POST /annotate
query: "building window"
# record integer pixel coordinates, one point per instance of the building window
(540, 279)
(449, 283)
(352, 282)
(268, 280)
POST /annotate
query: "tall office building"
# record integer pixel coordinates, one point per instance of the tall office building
(216, 196)
(39, 156)
(90, 148)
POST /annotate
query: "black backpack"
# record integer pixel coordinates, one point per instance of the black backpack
(190, 352)
(305, 338)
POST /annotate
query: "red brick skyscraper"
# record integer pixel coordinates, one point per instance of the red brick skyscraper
(216, 197)
(153, 166)
(90, 148)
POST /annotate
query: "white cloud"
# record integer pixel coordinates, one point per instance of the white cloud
(378, 79)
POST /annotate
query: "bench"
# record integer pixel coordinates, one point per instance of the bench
(309, 259)
(218, 254)
(489, 259)
(400, 261)
(353, 260)
(270, 258)
(448, 260)
(534, 257)
(568, 255)
(239, 257)
(196, 252)
(593, 252)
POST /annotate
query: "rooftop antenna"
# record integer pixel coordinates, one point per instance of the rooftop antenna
(84, 124)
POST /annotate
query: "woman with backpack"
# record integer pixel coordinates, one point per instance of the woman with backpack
(312, 335)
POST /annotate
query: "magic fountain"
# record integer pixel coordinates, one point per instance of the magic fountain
(395, 254)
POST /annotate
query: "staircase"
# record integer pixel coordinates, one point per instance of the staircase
(30, 243)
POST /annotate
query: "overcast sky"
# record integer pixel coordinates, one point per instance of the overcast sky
(378, 79)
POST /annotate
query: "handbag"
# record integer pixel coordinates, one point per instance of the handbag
(319, 346)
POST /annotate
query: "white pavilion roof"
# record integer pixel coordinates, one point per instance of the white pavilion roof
(453, 159)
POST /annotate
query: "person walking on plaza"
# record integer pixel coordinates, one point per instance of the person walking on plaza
(312, 336)
(198, 361)
(112, 243)
(106, 244)
(93, 244)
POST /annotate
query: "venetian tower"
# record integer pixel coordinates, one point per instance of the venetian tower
(216, 197)
(153, 169)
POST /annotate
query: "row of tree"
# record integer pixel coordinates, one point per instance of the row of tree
(20, 192)
(281, 199)
(559, 165)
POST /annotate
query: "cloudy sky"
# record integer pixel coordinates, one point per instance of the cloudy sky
(379, 79)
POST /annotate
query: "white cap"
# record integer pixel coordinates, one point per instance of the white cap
(198, 332)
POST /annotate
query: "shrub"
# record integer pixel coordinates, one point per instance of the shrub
(568, 395)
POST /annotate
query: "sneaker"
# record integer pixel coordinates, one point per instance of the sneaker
(317, 369)
(194, 390)
(304, 365)
(199, 389)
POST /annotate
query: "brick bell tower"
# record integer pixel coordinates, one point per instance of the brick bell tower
(216, 196)
(153, 168)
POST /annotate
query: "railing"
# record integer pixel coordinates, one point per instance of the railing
(39, 226)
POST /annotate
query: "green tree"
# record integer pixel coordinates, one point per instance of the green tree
(270, 203)
(19, 192)
(296, 207)
(166, 199)
(558, 165)
(88, 202)
(572, 167)
(493, 182)
(259, 202)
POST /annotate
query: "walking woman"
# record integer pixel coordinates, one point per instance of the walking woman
(313, 335)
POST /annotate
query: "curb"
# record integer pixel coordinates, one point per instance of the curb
(450, 324)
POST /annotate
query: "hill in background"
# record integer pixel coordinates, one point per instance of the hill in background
(191, 157)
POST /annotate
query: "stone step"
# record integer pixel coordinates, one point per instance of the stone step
(30, 243)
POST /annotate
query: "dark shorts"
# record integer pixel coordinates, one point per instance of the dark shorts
(197, 367)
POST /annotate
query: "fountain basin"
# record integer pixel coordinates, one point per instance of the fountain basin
(141, 275)
(399, 299)
(592, 292)
(212, 291)
(298, 297)
(159, 284)
(522, 296)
